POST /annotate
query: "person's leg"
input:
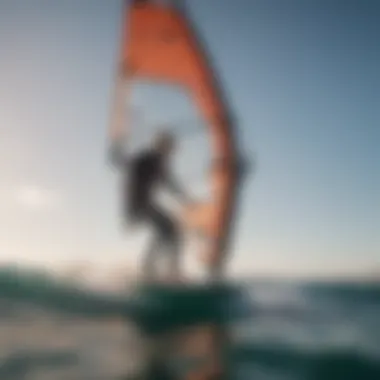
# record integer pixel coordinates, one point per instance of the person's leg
(167, 240)
(150, 258)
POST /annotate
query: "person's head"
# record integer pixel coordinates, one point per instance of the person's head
(164, 142)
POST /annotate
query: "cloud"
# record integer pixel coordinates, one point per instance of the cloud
(37, 198)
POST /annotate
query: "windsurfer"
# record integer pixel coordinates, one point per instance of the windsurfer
(147, 170)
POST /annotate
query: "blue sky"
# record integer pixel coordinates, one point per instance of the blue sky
(303, 79)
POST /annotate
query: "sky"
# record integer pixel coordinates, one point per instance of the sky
(303, 79)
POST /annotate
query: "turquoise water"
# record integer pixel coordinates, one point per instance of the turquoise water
(280, 330)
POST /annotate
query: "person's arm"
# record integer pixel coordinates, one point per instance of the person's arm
(174, 186)
(116, 152)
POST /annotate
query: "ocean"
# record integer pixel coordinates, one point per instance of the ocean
(281, 330)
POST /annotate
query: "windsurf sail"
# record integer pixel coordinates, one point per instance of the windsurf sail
(160, 45)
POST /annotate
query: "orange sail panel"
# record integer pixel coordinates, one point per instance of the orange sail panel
(160, 45)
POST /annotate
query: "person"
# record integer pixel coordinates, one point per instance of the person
(148, 170)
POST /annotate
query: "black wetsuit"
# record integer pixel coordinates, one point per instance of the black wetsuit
(147, 170)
